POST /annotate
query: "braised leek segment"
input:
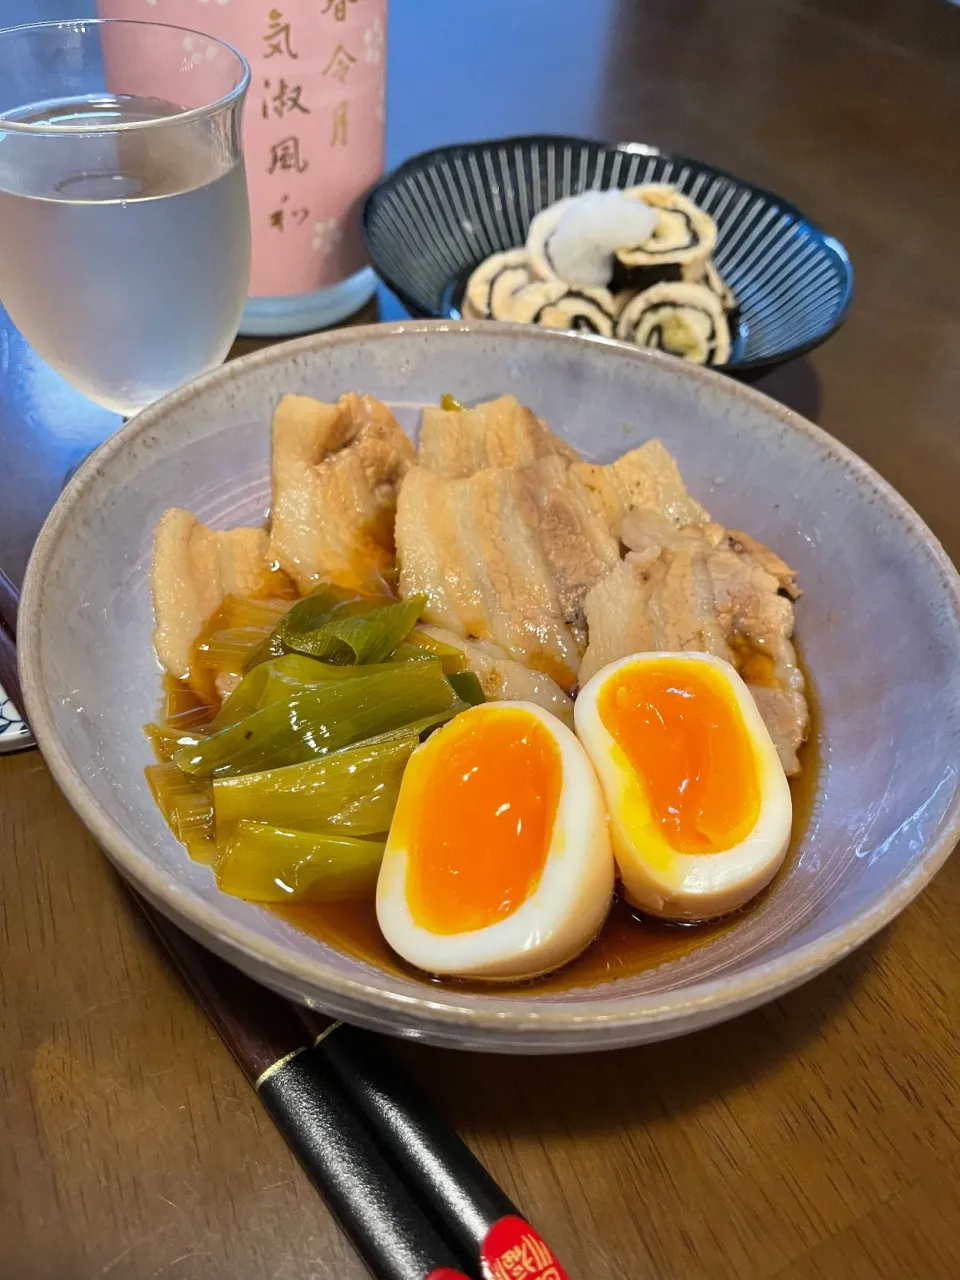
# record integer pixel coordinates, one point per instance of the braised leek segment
(419, 642)
(187, 805)
(297, 668)
(293, 673)
(167, 740)
(323, 718)
(272, 647)
(468, 687)
(357, 633)
(272, 681)
(309, 612)
(237, 611)
(235, 630)
(244, 700)
(273, 864)
(228, 651)
(183, 707)
(341, 627)
(352, 790)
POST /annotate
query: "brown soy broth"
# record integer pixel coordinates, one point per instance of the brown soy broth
(628, 944)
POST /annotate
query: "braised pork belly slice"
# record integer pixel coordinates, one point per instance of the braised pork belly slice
(645, 479)
(704, 589)
(501, 433)
(573, 535)
(753, 593)
(471, 547)
(194, 569)
(336, 472)
(659, 598)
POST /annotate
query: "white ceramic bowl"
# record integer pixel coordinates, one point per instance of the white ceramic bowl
(879, 628)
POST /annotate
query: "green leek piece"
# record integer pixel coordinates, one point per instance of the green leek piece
(285, 679)
(341, 627)
(229, 650)
(167, 740)
(272, 647)
(419, 642)
(309, 612)
(297, 668)
(271, 864)
(185, 802)
(323, 718)
(355, 636)
(353, 790)
(467, 687)
(448, 402)
(244, 700)
(239, 611)
(280, 679)
(237, 630)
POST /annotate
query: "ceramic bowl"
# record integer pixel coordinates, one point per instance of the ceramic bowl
(428, 223)
(878, 625)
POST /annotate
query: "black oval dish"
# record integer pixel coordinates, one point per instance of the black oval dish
(435, 217)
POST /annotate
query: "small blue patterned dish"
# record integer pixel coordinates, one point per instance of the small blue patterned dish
(14, 734)
(431, 221)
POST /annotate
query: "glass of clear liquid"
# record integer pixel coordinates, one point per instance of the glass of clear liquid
(124, 224)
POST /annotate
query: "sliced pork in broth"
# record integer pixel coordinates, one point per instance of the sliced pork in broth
(336, 472)
(703, 589)
(645, 479)
(468, 546)
(501, 433)
(194, 569)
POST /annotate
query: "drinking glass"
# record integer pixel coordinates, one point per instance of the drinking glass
(124, 225)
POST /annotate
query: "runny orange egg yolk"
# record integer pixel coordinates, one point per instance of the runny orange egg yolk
(680, 727)
(486, 802)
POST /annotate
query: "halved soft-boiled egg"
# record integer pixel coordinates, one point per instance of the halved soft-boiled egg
(699, 806)
(498, 863)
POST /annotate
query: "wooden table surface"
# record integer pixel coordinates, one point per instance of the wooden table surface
(818, 1137)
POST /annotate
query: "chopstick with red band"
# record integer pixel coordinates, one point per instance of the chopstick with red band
(348, 1111)
(482, 1222)
(389, 1230)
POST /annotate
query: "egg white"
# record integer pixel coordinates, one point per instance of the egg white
(657, 878)
(556, 922)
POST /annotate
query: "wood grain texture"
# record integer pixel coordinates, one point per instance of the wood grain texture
(818, 1137)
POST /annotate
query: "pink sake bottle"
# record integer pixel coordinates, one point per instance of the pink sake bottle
(313, 137)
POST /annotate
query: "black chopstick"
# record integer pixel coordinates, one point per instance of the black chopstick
(474, 1210)
(347, 1111)
(301, 1092)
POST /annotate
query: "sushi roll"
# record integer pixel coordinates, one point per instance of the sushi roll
(686, 320)
(492, 283)
(715, 282)
(678, 248)
(575, 240)
(539, 234)
(556, 305)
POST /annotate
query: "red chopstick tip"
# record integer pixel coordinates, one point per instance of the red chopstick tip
(513, 1250)
(447, 1273)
